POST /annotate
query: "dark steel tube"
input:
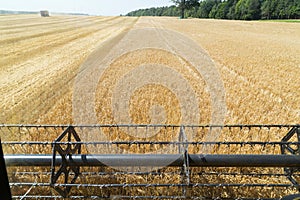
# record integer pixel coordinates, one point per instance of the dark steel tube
(246, 160)
(174, 160)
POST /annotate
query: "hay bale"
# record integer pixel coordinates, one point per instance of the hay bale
(44, 13)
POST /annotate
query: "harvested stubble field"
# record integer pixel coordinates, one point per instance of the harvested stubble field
(258, 62)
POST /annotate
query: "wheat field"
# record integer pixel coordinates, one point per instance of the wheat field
(258, 62)
(41, 58)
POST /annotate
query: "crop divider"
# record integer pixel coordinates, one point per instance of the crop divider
(66, 168)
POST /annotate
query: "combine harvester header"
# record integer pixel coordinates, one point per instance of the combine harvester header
(75, 167)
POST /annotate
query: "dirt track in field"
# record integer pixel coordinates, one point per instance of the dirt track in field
(40, 58)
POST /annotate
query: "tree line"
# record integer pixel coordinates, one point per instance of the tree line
(227, 9)
(160, 11)
(9, 12)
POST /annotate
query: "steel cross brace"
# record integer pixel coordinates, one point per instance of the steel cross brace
(293, 149)
(66, 167)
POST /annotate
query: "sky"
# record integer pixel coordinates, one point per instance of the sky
(92, 7)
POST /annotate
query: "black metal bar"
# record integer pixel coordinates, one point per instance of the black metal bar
(157, 185)
(152, 143)
(63, 126)
(5, 193)
(175, 160)
(134, 197)
(159, 173)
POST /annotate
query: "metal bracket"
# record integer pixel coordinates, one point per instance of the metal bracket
(66, 169)
(185, 170)
(292, 136)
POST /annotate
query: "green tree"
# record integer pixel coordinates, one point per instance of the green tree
(213, 12)
(293, 9)
(220, 10)
(186, 5)
(230, 9)
(268, 8)
(254, 10)
(281, 9)
(240, 9)
(248, 9)
(205, 7)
